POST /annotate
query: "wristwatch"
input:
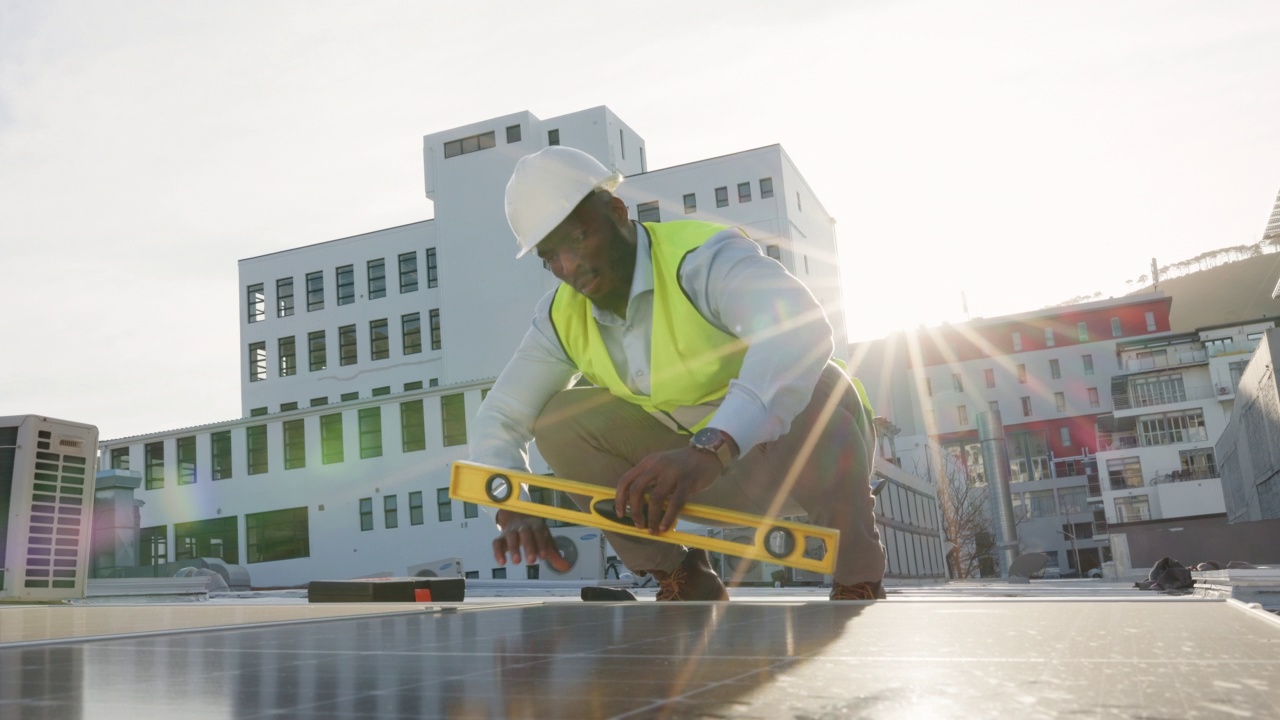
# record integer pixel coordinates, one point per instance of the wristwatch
(716, 442)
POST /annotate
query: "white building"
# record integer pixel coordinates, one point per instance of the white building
(364, 358)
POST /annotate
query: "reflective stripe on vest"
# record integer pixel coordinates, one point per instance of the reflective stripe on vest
(691, 361)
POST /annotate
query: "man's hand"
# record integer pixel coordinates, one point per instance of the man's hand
(526, 538)
(669, 479)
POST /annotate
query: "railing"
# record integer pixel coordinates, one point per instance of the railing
(1099, 521)
(1128, 516)
(1233, 348)
(1189, 357)
(1123, 482)
(1095, 486)
(1117, 441)
(1127, 401)
(1181, 475)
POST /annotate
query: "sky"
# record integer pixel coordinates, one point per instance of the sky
(1017, 153)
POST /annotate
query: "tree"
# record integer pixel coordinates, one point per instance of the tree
(966, 517)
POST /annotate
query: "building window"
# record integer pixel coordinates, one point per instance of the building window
(962, 415)
(1066, 436)
(622, 144)
(370, 420)
(415, 507)
(366, 514)
(1055, 369)
(648, 212)
(411, 333)
(221, 446)
(316, 354)
(288, 406)
(1017, 342)
(153, 545)
(799, 205)
(277, 535)
(380, 391)
(1022, 373)
(120, 458)
(744, 192)
(1133, 509)
(258, 411)
(1151, 321)
(470, 510)
(499, 573)
(379, 339)
(431, 267)
(346, 284)
(288, 356)
(433, 317)
(295, 444)
(1088, 364)
(377, 271)
(990, 376)
(257, 361)
(217, 538)
(354, 395)
(331, 450)
(553, 137)
(1171, 429)
(284, 297)
(1071, 501)
(1094, 401)
(347, 353)
(315, 291)
(1115, 327)
(256, 443)
(766, 188)
(722, 197)
(1158, 390)
(993, 407)
(1060, 401)
(413, 429)
(774, 252)
(513, 133)
(390, 512)
(444, 506)
(1082, 332)
(408, 272)
(690, 203)
(186, 460)
(257, 303)
(453, 420)
(1040, 504)
(475, 143)
(1026, 406)
(1198, 464)
(957, 382)
(153, 465)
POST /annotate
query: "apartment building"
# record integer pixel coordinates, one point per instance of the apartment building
(363, 359)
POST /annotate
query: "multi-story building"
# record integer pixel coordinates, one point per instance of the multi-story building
(1109, 416)
(364, 358)
(1272, 230)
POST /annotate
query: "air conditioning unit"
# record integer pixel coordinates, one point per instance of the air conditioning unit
(583, 547)
(448, 567)
(47, 470)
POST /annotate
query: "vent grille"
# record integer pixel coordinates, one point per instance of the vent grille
(57, 521)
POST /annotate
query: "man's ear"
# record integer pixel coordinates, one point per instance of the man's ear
(618, 210)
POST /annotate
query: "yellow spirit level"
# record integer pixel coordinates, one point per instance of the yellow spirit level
(776, 541)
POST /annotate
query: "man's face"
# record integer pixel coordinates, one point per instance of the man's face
(590, 252)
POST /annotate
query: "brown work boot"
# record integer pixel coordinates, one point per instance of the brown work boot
(693, 580)
(857, 591)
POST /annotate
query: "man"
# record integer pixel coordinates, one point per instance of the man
(713, 383)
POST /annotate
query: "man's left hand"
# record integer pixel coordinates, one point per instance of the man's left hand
(669, 479)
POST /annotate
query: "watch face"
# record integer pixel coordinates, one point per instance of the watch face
(709, 438)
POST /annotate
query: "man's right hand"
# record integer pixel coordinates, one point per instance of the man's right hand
(526, 538)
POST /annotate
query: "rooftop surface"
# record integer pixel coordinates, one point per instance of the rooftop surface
(1051, 649)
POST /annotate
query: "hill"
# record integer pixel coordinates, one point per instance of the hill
(1222, 295)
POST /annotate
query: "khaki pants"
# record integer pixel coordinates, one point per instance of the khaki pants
(821, 467)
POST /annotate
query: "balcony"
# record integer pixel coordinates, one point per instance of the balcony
(1095, 486)
(1181, 475)
(1130, 439)
(1117, 441)
(1170, 360)
(1124, 401)
(1242, 347)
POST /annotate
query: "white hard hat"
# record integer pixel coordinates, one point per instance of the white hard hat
(546, 186)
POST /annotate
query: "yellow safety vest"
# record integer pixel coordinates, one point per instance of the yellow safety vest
(691, 360)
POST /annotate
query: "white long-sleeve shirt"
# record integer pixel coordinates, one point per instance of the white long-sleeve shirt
(737, 289)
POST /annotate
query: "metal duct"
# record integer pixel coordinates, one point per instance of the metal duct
(995, 460)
